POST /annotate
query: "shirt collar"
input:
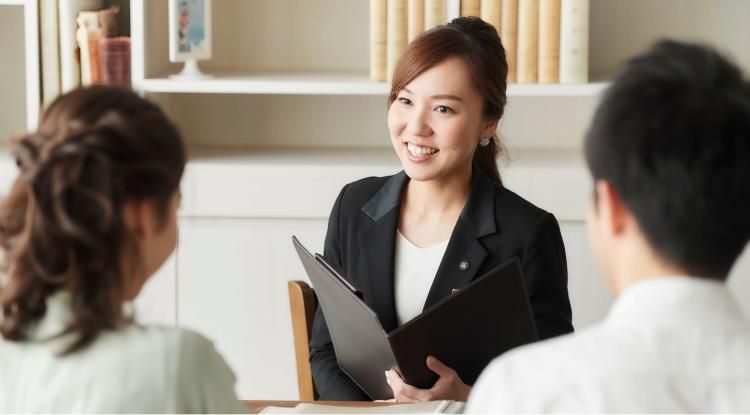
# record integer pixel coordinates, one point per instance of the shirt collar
(478, 213)
(677, 298)
(57, 316)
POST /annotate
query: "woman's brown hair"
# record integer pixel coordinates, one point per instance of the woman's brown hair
(478, 45)
(61, 225)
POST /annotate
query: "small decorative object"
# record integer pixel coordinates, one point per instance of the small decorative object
(189, 35)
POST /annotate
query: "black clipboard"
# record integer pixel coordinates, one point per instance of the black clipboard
(465, 330)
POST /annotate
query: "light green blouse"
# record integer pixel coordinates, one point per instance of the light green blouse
(135, 369)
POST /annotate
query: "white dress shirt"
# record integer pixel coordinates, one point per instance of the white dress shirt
(134, 369)
(414, 271)
(673, 344)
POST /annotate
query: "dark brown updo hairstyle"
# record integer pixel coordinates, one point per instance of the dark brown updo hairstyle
(478, 45)
(61, 225)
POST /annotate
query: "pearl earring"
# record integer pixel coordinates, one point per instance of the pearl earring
(485, 141)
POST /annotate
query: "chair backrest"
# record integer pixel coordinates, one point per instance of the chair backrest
(303, 303)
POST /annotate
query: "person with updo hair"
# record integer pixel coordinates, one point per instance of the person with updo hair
(89, 219)
(409, 240)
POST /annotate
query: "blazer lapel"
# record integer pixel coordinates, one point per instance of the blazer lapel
(377, 244)
(465, 253)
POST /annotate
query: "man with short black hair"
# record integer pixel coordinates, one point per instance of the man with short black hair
(669, 152)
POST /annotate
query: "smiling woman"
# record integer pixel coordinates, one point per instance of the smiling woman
(436, 131)
(446, 218)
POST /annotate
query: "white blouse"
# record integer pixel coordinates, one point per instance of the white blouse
(135, 369)
(414, 271)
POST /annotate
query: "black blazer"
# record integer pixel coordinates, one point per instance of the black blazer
(494, 226)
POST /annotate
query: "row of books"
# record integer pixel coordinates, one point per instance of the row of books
(546, 41)
(105, 56)
(81, 45)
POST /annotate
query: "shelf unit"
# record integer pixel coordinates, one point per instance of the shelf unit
(301, 64)
(303, 57)
(282, 82)
(30, 83)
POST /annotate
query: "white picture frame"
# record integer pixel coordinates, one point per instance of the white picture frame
(189, 30)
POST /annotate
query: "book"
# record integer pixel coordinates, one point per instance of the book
(49, 50)
(470, 8)
(452, 10)
(416, 19)
(434, 13)
(574, 41)
(490, 13)
(397, 34)
(431, 407)
(108, 21)
(89, 34)
(115, 55)
(70, 70)
(528, 41)
(492, 314)
(378, 40)
(509, 35)
(549, 41)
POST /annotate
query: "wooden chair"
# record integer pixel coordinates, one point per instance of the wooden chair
(303, 303)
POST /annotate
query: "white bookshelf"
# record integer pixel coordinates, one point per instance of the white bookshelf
(259, 69)
(291, 56)
(311, 57)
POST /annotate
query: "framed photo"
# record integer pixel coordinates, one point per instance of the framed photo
(189, 30)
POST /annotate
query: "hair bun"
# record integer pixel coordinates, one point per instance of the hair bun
(471, 25)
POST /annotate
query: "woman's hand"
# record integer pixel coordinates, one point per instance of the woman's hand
(448, 385)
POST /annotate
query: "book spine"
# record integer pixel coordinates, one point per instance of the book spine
(82, 38)
(70, 70)
(452, 10)
(549, 41)
(96, 58)
(115, 54)
(397, 34)
(509, 35)
(108, 22)
(50, 50)
(528, 40)
(88, 36)
(378, 40)
(574, 41)
(434, 13)
(470, 8)
(490, 13)
(416, 19)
